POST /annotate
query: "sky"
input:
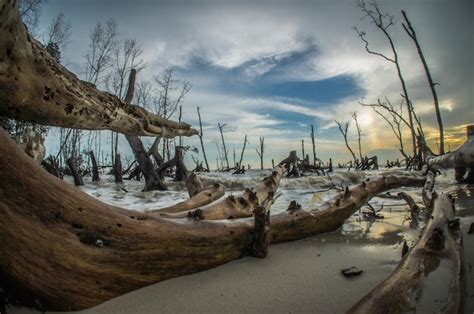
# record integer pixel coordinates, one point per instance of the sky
(274, 68)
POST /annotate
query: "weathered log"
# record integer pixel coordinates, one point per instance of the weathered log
(95, 168)
(206, 196)
(239, 206)
(118, 169)
(30, 75)
(438, 250)
(71, 163)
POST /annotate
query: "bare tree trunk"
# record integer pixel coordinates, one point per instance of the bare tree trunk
(302, 149)
(314, 146)
(354, 116)
(260, 153)
(71, 163)
(152, 180)
(221, 130)
(95, 168)
(243, 150)
(201, 139)
(118, 169)
(411, 32)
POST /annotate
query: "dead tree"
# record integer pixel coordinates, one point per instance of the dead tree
(243, 150)
(95, 168)
(71, 163)
(394, 120)
(383, 22)
(411, 33)
(152, 179)
(168, 100)
(302, 148)
(118, 169)
(314, 146)
(260, 153)
(177, 162)
(343, 130)
(224, 149)
(359, 132)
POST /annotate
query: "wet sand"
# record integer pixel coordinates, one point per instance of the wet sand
(298, 277)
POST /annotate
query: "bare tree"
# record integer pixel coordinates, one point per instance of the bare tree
(171, 93)
(411, 33)
(314, 146)
(243, 150)
(224, 149)
(99, 56)
(201, 139)
(30, 11)
(383, 22)
(60, 31)
(343, 128)
(359, 132)
(260, 153)
(394, 119)
(126, 55)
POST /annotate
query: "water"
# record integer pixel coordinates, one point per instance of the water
(310, 190)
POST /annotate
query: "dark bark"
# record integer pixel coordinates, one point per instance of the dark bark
(71, 163)
(95, 168)
(118, 169)
(201, 139)
(177, 161)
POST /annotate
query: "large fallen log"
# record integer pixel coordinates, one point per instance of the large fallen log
(34, 87)
(437, 254)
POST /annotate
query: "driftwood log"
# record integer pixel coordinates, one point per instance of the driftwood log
(34, 87)
(239, 206)
(439, 250)
(461, 160)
